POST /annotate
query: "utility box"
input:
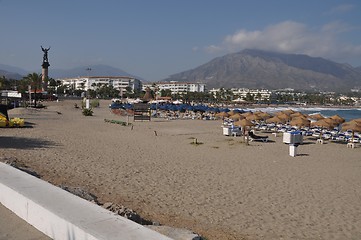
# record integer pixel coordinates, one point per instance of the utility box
(295, 137)
(293, 150)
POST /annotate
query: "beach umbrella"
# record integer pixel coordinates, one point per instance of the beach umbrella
(324, 123)
(264, 115)
(231, 113)
(316, 117)
(275, 120)
(284, 116)
(331, 121)
(222, 114)
(244, 123)
(247, 114)
(300, 122)
(254, 117)
(358, 120)
(338, 119)
(297, 114)
(236, 117)
(288, 111)
(353, 126)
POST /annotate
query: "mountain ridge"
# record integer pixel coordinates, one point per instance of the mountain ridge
(56, 73)
(249, 68)
(252, 68)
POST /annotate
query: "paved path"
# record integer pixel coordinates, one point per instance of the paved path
(13, 227)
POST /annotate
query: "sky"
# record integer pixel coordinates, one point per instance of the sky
(153, 39)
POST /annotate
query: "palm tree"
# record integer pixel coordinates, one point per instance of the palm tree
(34, 80)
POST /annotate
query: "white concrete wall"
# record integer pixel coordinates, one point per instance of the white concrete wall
(62, 215)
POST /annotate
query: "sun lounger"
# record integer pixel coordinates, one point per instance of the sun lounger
(253, 137)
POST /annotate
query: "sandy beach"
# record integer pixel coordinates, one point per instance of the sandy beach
(220, 188)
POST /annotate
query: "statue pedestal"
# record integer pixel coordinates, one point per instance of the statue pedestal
(44, 77)
(45, 65)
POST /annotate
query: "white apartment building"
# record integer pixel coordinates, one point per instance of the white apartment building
(242, 92)
(85, 83)
(176, 87)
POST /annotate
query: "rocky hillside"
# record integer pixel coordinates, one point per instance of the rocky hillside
(270, 70)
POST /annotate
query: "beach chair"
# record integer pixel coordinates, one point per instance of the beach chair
(253, 137)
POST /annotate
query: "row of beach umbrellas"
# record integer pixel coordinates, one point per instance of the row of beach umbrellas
(244, 119)
(293, 118)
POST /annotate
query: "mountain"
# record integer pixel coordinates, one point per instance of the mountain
(11, 72)
(252, 68)
(10, 75)
(358, 69)
(96, 70)
(12, 69)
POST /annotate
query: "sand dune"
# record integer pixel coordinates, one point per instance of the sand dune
(221, 188)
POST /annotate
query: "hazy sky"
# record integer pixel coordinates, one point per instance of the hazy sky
(156, 38)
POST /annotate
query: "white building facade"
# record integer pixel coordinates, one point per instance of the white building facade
(176, 87)
(243, 92)
(85, 83)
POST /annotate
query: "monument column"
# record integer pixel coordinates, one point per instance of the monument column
(45, 71)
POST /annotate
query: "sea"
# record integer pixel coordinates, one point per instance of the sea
(347, 113)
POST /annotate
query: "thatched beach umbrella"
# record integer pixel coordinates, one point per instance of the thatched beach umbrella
(284, 116)
(353, 126)
(222, 114)
(316, 117)
(254, 117)
(231, 113)
(246, 114)
(296, 115)
(244, 123)
(300, 122)
(331, 121)
(324, 123)
(236, 117)
(338, 119)
(264, 115)
(275, 120)
(147, 96)
(288, 111)
(358, 120)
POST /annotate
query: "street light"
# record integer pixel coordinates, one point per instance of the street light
(87, 91)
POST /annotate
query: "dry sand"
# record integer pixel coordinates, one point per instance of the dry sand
(221, 189)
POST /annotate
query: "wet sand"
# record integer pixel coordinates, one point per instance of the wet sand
(220, 188)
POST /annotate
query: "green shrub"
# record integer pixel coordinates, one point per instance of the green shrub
(94, 103)
(87, 112)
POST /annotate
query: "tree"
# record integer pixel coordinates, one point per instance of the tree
(249, 97)
(52, 86)
(34, 80)
(5, 83)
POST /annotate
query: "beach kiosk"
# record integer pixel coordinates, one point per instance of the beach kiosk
(293, 139)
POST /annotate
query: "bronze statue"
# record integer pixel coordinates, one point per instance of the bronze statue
(45, 50)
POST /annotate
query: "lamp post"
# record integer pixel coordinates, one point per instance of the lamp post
(87, 91)
(156, 89)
